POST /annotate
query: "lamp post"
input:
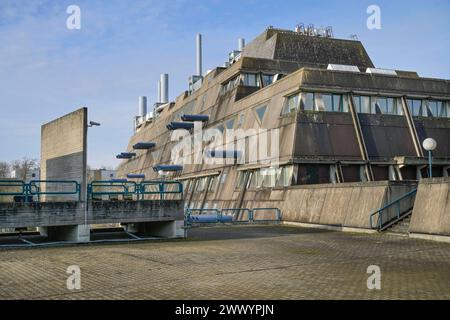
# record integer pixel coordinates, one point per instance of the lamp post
(429, 145)
(90, 125)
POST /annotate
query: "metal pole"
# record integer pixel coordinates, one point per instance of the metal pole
(430, 164)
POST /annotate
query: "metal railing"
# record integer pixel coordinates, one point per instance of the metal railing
(111, 188)
(224, 216)
(128, 189)
(393, 211)
(25, 192)
(160, 188)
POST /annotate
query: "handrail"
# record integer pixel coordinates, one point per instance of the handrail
(33, 188)
(380, 211)
(11, 183)
(220, 214)
(126, 188)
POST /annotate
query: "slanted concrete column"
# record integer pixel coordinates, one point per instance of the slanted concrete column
(74, 233)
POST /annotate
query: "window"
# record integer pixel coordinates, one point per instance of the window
(250, 79)
(242, 175)
(201, 184)
(229, 124)
(260, 112)
(329, 102)
(438, 109)
(212, 184)
(285, 177)
(240, 121)
(313, 174)
(267, 79)
(230, 85)
(290, 104)
(269, 177)
(308, 101)
(362, 104)
(415, 107)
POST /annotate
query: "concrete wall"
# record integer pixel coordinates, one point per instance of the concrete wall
(16, 215)
(343, 205)
(431, 214)
(63, 150)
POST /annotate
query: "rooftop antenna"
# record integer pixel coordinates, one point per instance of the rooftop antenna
(354, 37)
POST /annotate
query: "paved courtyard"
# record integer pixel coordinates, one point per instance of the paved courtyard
(242, 262)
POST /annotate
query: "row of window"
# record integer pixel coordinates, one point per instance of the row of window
(265, 177)
(330, 102)
(248, 80)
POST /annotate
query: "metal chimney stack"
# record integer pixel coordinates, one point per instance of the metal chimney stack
(241, 44)
(158, 100)
(164, 86)
(143, 106)
(199, 55)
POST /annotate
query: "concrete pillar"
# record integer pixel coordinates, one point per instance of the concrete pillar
(74, 233)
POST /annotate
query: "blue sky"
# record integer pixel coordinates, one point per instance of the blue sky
(47, 70)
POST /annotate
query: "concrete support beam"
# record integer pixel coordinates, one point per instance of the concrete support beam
(73, 233)
(163, 229)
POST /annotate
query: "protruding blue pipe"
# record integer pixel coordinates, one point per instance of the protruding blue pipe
(195, 117)
(180, 125)
(135, 176)
(144, 145)
(162, 167)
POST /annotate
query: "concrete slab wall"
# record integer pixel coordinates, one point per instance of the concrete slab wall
(63, 151)
(431, 214)
(344, 205)
(17, 215)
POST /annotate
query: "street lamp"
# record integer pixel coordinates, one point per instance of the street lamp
(429, 145)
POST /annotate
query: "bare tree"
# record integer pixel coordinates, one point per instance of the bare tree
(24, 167)
(5, 169)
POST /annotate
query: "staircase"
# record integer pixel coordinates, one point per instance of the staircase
(400, 226)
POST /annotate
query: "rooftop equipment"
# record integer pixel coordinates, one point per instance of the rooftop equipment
(164, 85)
(385, 72)
(241, 44)
(144, 145)
(195, 117)
(162, 167)
(199, 54)
(142, 107)
(343, 67)
(180, 125)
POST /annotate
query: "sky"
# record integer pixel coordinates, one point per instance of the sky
(48, 70)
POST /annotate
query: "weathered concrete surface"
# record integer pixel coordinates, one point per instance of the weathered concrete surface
(16, 215)
(241, 262)
(344, 205)
(63, 151)
(431, 214)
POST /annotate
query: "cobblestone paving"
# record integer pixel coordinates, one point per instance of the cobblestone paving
(245, 262)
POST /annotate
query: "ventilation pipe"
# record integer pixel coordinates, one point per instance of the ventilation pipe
(142, 106)
(164, 84)
(241, 44)
(159, 92)
(199, 55)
